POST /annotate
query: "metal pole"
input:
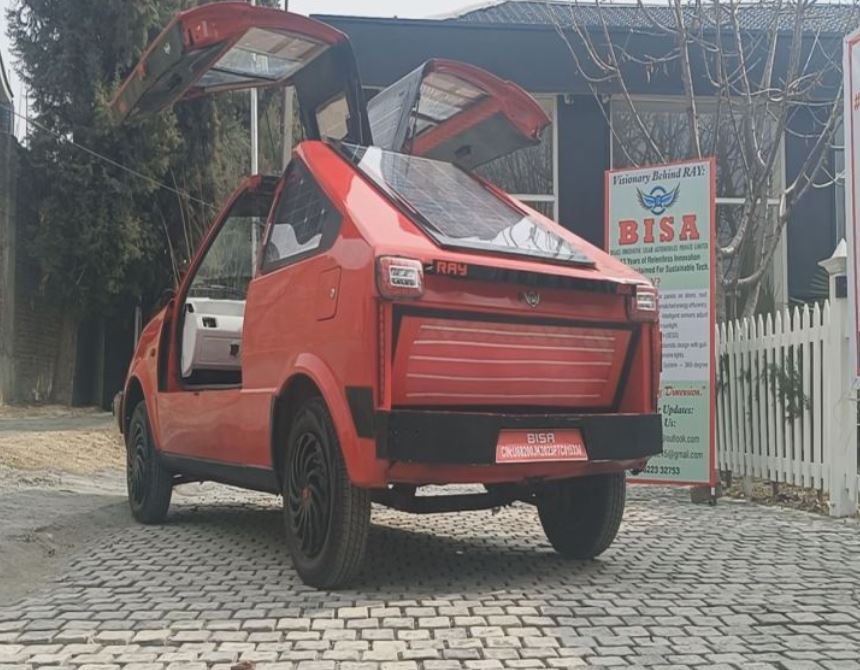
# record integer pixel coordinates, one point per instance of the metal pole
(255, 142)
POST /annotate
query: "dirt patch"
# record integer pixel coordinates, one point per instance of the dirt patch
(53, 438)
(784, 495)
(46, 411)
(76, 451)
(61, 490)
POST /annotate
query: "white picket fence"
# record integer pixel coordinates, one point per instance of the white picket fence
(786, 411)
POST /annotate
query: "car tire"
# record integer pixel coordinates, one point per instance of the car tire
(326, 518)
(149, 485)
(581, 516)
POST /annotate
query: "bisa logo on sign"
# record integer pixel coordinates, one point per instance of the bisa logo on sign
(652, 230)
(659, 199)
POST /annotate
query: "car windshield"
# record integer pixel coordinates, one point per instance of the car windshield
(457, 210)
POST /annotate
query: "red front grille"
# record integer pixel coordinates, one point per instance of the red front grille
(460, 362)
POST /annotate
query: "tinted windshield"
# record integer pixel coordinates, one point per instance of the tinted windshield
(457, 210)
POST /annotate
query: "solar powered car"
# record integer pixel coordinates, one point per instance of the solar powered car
(378, 318)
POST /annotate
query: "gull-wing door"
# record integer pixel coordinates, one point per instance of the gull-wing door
(229, 46)
(455, 112)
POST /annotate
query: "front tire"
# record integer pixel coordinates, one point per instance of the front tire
(326, 517)
(581, 516)
(149, 485)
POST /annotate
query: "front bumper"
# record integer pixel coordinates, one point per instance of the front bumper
(470, 438)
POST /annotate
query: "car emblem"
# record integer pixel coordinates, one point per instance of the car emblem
(531, 298)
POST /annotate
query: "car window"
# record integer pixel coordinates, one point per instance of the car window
(305, 220)
(228, 265)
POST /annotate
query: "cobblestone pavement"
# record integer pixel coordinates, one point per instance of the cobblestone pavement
(735, 586)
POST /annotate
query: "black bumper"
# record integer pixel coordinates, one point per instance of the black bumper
(467, 438)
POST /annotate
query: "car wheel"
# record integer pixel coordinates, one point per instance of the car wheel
(581, 516)
(326, 517)
(149, 484)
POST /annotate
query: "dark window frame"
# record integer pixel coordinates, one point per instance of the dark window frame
(329, 229)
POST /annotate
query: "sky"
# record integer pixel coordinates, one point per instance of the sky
(402, 8)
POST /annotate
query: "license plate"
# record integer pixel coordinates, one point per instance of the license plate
(537, 446)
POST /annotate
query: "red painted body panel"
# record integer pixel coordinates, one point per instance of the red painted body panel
(506, 98)
(444, 361)
(322, 318)
(212, 30)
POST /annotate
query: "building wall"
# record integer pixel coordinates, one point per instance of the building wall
(811, 228)
(539, 61)
(8, 182)
(583, 156)
(37, 338)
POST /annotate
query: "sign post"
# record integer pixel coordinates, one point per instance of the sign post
(660, 220)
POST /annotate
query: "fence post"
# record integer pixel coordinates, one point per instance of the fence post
(841, 448)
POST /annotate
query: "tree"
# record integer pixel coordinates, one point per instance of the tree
(751, 73)
(91, 237)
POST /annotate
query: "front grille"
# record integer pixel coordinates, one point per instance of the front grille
(440, 361)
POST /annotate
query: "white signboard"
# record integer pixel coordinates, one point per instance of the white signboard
(851, 120)
(660, 221)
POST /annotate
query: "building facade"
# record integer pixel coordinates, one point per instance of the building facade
(522, 41)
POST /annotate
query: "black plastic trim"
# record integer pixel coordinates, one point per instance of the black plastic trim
(360, 400)
(624, 377)
(247, 477)
(477, 272)
(469, 438)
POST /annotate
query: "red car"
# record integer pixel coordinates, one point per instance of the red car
(377, 318)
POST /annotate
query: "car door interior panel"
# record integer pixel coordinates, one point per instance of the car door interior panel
(212, 335)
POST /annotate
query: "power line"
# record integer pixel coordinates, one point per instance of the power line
(107, 159)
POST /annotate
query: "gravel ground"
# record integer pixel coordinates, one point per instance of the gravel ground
(61, 488)
(59, 439)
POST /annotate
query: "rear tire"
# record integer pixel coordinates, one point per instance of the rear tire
(581, 516)
(149, 485)
(326, 517)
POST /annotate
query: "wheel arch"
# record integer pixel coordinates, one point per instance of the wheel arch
(295, 391)
(132, 396)
(310, 378)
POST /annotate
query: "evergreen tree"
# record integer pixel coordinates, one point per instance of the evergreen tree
(103, 236)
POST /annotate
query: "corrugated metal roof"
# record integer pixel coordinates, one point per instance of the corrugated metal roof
(838, 18)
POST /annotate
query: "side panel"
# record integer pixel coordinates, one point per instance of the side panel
(144, 369)
(228, 426)
(316, 317)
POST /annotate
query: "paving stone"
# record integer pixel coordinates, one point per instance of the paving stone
(684, 586)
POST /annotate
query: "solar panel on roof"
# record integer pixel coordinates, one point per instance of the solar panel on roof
(456, 210)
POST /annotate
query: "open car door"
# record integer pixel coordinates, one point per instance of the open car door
(455, 112)
(228, 46)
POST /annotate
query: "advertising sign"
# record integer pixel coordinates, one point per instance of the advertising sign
(660, 220)
(851, 120)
